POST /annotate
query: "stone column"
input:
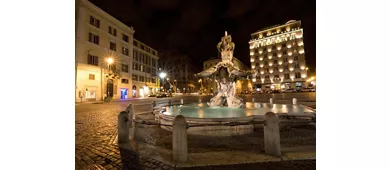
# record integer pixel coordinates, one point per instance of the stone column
(272, 134)
(181, 101)
(253, 100)
(179, 139)
(271, 101)
(123, 127)
(200, 100)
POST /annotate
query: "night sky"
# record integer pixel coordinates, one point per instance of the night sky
(194, 27)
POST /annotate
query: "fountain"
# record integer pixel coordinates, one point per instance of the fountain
(226, 106)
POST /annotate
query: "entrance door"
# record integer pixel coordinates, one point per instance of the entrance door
(123, 93)
(110, 88)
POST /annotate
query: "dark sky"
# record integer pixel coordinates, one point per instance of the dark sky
(196, 26)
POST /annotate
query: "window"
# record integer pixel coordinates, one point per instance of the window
(142, 47)
(284, 52)
(296, 65)
(93, 38)
(264, 49)
(135, 66)
(274, 47)
(112, 31)
(135, 55)
(154, 62)
(141, 67)
(125, 81)
(295, 57)
(256, 51)
(286, 76)
(286, 67)
(284, 45)
(135, 43)
(298, 75)
(275, 61)
(274, 54)
(266, 77)
(125, 38)
(92, 76)
(285, 59)
(141, 57)
(112, 46)
(257, 64)
(276, 77)
(266, 70)
(125, 51)
(95, 22)
(141, 79)
(135, 77)
(154, 52)
(125, 68)
(93, 60)
(153, 80)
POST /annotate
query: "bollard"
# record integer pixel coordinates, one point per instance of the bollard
(294, 100)
(271, 101)
(253, 100)
(130, 113)
(179, 139)
(169, 102)
(123, 127)
(181, 101)
(154, 104)
(272, 134)
(200, 100)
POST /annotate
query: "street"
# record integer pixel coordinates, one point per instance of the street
(96, 130)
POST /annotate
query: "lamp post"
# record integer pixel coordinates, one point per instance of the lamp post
(109, 61)
(162, 75)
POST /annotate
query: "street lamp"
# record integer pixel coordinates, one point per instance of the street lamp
(162, 75)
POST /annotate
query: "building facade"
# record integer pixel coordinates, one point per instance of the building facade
(103, 57)
(180, 72)
(144, 70)
(277, 54)
(209, 85)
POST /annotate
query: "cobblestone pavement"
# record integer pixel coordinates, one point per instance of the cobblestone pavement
(96, 130)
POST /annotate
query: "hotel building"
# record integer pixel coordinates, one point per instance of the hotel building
(277, 54)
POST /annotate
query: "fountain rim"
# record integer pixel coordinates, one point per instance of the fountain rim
(243, 118)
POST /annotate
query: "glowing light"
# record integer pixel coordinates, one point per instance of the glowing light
(289, 46)
(261, 58)
(301, 51)
(270, 56)
(303, 75)
(252, 60)
(280, 70)
(300, 43)
(260, 52)
(253, 66)
(110, 60)
(254, 80)
(262, 80)
(278, 47)
(291, 68)
(261, 65)
(162, 75)
(251, 53)
(141, 92)
(290, 61)
(271, 71)
(280, 62)
(280, 55)
(251, 47)
(269, 49)
(262, 72)
(270, 64)
(289, 53)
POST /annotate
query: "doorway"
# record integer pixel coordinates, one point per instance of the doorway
(110, 88)
(124, 93)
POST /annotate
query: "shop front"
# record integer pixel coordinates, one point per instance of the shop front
(90, 93)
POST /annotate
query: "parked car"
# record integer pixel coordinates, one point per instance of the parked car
(289, 91)
(152, 95)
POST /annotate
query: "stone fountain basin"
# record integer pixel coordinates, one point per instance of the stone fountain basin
(201, 113)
